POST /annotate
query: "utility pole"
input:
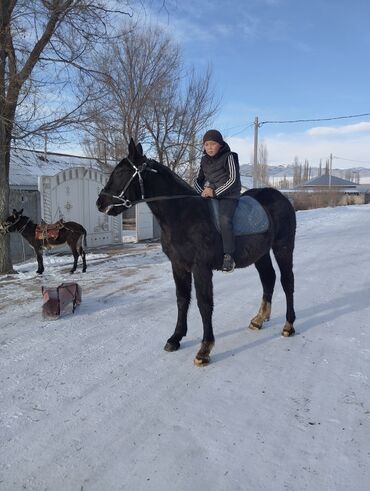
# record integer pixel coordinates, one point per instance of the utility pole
(330, 169)
(255, 154)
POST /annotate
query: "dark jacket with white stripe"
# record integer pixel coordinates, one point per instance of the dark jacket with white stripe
(221, 173)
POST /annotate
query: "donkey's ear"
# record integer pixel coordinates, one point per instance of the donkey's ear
(131, 148)
(139, 149)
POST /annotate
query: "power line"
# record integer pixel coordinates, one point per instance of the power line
(241, 131)
(234, 127)
(351, 160)
(293, 121)
(244, 128)
(314, 120)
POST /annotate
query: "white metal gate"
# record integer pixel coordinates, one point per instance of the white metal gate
(71, 194)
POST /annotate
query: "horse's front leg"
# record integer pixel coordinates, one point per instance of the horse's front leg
(183, 294)
(40, 261)
(204, 290)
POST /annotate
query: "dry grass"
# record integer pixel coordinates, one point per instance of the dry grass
(322, 199)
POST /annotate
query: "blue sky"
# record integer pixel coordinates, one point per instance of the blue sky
(282, 60)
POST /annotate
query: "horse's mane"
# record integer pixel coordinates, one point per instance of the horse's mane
(171, 175)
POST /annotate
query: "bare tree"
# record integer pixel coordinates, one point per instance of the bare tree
(320, 169)
(130, 73)
(179, 120)
(306, 171)
(284, 183)
(43, 41)
(146, 96)
(260, 170)
(297, 172)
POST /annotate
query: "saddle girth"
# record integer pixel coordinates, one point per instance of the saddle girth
(46, 231)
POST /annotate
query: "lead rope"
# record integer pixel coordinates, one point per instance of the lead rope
(24, 251)
(22, 239)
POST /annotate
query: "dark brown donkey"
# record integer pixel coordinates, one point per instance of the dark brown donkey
(71, 233)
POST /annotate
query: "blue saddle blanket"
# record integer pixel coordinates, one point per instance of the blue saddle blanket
(250, 217)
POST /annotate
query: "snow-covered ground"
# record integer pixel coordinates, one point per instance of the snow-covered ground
(91, 401)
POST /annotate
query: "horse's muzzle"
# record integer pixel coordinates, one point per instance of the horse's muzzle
(108, 207)
(101, 205)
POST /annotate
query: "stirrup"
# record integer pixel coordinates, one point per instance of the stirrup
(229, 264)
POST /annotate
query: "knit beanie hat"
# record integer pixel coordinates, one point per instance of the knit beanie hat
(213, 135)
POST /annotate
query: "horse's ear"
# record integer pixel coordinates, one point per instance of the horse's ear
(131, 148)
(14, 211)
(139, 149)
(20, 212)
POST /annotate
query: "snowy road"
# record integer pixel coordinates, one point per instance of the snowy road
(92, 402)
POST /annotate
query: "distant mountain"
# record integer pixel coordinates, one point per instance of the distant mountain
(277, 172)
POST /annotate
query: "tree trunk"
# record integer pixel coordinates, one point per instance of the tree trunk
(6, 266)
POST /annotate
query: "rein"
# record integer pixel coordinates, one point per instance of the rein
(24, 226)
(128, 203)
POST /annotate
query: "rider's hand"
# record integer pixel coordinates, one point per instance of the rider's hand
(207, 193)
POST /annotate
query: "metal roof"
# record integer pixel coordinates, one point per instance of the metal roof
(27, 165)
(327, 180)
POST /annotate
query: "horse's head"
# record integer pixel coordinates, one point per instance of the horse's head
(124, 186)
(10, 223)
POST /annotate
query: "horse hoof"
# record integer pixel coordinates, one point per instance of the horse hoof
(171, 346)
(288, 330)
(72, 271)
(254, 326)
(201, 362)
(202, 357)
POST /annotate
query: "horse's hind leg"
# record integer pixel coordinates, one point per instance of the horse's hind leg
(75, 258)
(268, 278)
(183, 294)
(284, 258)
(204, 290)
(82, 253)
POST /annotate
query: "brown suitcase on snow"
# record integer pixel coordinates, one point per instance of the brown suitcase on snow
(56, 300)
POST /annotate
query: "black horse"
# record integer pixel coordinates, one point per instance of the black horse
(190, 240)
(71, 233)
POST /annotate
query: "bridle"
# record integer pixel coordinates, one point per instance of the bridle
(121, 197)
(5, 226)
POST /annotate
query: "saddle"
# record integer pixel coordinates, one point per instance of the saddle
(56, 300)
(48, 231)
(250, 217)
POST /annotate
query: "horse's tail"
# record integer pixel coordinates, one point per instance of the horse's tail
(82, 239)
